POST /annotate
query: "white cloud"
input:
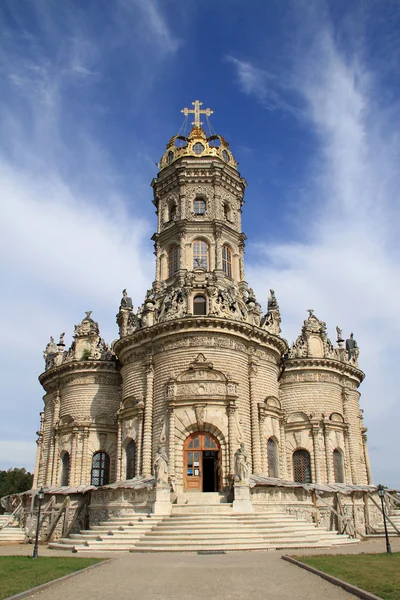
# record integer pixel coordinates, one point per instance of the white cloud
(344, 263)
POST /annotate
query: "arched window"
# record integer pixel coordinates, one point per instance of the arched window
(272, 449)
(173, 260)
(200, 255)
(302, 466)
(227, 261)
(199, 206)
(199, 305)
(130, 460)
(100, 469)
(65, 469)
(338, 470)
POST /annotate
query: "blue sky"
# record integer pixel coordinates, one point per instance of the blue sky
(307, 95)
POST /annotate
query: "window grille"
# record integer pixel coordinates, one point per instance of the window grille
(227, 261)
(100, 469)
(199, 305)
(302, 466)
(200, 255)
(173, 261)
(338, 466)
(130, 460)
(199, 206)
(272, 449)
(65, 469)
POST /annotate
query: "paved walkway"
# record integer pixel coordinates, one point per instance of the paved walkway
(233, 576)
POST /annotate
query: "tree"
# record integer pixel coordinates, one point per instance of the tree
(14, 481)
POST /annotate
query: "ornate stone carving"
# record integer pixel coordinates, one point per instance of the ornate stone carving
(242, 465)
(161, 467)
(272, 320)
(200, 410)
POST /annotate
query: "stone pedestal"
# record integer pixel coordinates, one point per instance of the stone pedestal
(162, 504)
(242, 502)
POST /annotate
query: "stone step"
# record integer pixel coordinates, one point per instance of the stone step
(201, 508)
(201, 498)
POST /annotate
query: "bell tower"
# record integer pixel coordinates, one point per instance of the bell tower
(199, 243)
(198, 194)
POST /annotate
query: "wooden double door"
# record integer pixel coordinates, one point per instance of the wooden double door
(202, 463)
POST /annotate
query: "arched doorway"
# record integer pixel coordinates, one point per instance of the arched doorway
(202, 463)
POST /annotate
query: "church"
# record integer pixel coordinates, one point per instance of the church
(200, 396)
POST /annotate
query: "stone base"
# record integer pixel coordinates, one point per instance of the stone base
(242, 502)
(162, 504)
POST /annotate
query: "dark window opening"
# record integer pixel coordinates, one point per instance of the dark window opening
(302, 466)
(65, 469)
(199, 305)
(338, 466)
(272, 449)
(130, 460)
(100, 469)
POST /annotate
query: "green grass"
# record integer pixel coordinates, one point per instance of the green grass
(375, 573)
(20, 573)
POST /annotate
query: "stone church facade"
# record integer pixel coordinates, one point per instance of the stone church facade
(199, 369)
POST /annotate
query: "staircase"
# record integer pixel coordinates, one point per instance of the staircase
(394, 515)
(10, 531)
(201, 522)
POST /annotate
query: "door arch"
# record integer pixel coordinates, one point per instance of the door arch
(202, 463)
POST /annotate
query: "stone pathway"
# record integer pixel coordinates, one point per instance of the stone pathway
(234, 576)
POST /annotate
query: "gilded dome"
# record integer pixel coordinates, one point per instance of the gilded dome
(197, 143)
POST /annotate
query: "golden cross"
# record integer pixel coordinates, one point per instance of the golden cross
(197, 111)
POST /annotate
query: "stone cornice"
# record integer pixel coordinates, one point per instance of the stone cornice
(302, 364)
(78, 366)
(250, 333)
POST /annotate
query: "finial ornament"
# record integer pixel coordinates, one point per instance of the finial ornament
(197, 111)
(88, 313)
(310, 312)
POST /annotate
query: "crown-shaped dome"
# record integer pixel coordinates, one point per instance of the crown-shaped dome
(197, 143)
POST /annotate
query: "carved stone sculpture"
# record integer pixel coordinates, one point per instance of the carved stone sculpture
(242, 466)
(126, 301)
(160, 467)
(352, 348)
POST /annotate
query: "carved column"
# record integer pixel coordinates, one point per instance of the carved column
(263, 444)
(50, 451)
(351, 438)
(148, 423)
(347, 460)
(241, 262)
(282, 446)
(255, 423)
(218, 261)
(119, 451)
(139, 441)
(366, 457)
(182, 257)
(171, 440)
(85, 477)
(231, 410)
(315, 435)
(73, 463)
(56, 416)
(328, 457)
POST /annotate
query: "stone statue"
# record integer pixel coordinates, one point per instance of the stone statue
(272, 301)
(161, 467)
(339, 334)
(351, 347)
(51, 347)
(61, 340)
(242, 466)
(310, 312)
(126, 302)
